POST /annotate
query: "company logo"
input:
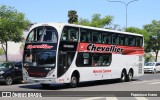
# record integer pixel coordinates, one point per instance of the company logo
(43, 46)
(92, 47)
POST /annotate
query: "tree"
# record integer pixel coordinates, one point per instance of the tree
(154, 39)
(12, 24)
(73, 17)
(96, 21)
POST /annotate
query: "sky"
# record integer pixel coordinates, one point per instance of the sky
(139, 13)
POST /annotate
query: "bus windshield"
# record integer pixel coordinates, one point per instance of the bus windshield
(40, 58)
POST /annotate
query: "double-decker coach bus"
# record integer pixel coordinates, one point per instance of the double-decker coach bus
(66, 53)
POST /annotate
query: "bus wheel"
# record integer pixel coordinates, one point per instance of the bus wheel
(9, 80)
(130, 76)
(74, 81)
(123, 76)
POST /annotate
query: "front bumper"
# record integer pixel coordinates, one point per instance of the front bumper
(40, 80)
(148, 70)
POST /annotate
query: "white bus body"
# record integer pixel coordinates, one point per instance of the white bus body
(97, 57)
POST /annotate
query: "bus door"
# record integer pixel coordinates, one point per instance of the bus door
(64, 61)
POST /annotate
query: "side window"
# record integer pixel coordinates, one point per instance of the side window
(139, 41)
(70, 34)
(96, 37)
(101, 59)
(122, 39)
(106, 59)
(84, 59)
(131, 41)
(73, 34)
(96, 60)
(115, 39)
(106, 38)
(85, 36)
(93, 59)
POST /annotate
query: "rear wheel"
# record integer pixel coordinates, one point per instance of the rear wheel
(130, 76)
(9, 80)
(123, 76)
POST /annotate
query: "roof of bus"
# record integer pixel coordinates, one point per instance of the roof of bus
(81, 26)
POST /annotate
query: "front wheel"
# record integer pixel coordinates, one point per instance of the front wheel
(74, 81)
(9, 80)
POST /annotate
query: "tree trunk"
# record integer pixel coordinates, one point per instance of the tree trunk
(5, 50)
(156, 55)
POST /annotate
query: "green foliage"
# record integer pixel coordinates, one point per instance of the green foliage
(1, 51)
(12, 24)
(154, 37)
(148, 57)
(96, 21)
(73, 17)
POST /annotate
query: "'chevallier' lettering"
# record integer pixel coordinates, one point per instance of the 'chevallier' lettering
(92, 47)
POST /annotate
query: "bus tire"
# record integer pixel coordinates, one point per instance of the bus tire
(130, 75)
(123, 76)
(74, 81)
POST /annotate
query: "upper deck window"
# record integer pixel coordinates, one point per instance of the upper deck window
(70, 34)
(115, 39)
(43, 34)
(96, 37)
(106, 38)
(85, 35)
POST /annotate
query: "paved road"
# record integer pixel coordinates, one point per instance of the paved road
(148, 82)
